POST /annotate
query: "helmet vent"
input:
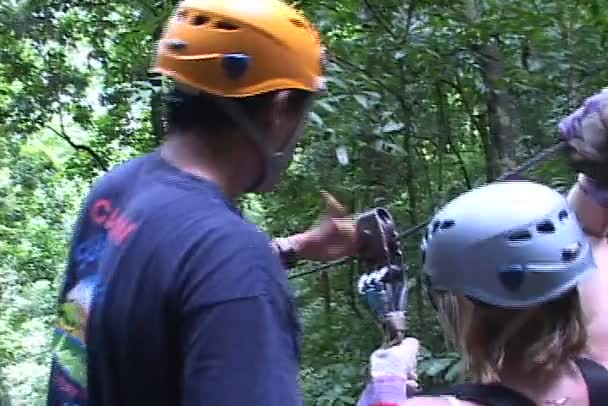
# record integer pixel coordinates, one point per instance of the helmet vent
(182, 15)
(436, 225)
(297, 23)
(175, 44)
(512, 277)
(520, 236)
(199, 20)
(447, 224)
(546, 227)
(225, 25)
(563, 215)
(571, 253)
(235, 65)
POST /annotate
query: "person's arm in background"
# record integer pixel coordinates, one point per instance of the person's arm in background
(586, 132)
(333, 238)
(593, 291)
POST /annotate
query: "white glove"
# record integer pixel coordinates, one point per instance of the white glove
(400, 360)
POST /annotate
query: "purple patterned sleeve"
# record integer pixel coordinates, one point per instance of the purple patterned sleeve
(570, 126)
(387, 391)
(593, 138)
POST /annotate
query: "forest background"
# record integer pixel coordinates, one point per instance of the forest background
(426, 100)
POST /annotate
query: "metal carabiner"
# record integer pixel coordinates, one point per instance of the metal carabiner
(384, 285)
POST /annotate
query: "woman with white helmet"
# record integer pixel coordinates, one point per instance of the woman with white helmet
(518, 274)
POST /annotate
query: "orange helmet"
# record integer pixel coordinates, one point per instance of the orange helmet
(239, 48)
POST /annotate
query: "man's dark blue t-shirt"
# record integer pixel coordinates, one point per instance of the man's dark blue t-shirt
(172, 298)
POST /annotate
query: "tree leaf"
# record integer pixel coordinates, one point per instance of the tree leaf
(437, 365)
(454, 371)
(326, 106)
(362, 100)
(342, 155)
(392, 126)
(316, 119)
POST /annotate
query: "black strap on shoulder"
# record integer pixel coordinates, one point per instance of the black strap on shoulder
(486, 394)
(596, 378)
(594, 374)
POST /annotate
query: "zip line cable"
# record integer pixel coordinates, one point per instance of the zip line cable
(537, 159)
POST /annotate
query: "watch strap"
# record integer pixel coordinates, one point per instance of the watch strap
(286, 251)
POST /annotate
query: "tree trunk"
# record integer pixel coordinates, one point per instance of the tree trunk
(412, 191)
(156, 103)
(326, 292)
(446, 138)
(157, 118)
(501, 143)
(5, 399)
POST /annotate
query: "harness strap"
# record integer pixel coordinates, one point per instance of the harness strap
(596, 378)
(594, 374)
(489, 394)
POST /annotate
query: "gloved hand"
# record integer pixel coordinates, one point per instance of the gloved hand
(393, 370)
(398, 361)
(393, 374)
(586, 132)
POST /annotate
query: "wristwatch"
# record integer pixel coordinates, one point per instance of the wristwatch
(286, 251)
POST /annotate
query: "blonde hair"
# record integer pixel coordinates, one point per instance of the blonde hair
(536, 342)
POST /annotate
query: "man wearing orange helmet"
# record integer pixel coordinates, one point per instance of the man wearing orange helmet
(171, 297)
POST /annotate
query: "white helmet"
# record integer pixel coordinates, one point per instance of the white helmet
(508, 244)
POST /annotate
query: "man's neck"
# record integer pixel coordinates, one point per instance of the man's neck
(190, 154)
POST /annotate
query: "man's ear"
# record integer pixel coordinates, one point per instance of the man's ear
(280, 109)
(281, 118)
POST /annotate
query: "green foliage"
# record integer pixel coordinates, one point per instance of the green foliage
(426, 99)
(36, 211)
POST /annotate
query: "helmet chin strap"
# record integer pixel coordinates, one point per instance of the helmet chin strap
(274, 162)
(279, 160)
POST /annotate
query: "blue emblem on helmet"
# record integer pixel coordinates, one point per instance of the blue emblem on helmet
(235, 65)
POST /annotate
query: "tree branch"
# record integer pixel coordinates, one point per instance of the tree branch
(79, 147)
(380, 19)
(343, 62)
(457, 86)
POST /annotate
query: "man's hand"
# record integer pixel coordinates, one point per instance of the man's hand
(334, 238)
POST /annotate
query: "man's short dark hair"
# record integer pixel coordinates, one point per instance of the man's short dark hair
(205, 113)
